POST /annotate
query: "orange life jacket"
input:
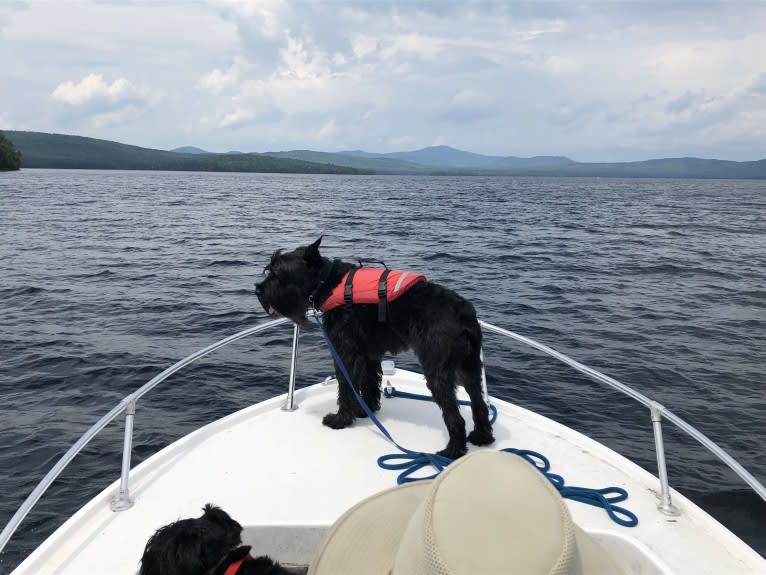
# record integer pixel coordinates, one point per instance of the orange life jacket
(371, 286)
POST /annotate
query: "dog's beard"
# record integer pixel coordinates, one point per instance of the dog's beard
(288, 302)
(268, 308)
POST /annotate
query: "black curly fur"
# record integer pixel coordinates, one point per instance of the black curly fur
(436, 323)
(206, 545)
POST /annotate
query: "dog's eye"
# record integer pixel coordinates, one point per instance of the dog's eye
(270, 273)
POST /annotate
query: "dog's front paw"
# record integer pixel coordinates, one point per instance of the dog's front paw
(452, 452)
(359, 412)
(338, 420)
(481, 437)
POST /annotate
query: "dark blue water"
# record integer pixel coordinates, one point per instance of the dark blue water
(106, 278)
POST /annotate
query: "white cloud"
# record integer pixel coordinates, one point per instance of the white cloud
(217, 80)
(93, 87)
(301, 63)
(264, 15)
(237, 118)
(95, 102)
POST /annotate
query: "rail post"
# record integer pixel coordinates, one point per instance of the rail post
(122, 500)
(290, 400)
(666, 505)
(484, 392)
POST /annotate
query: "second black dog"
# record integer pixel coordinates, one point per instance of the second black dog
(206, 545)
(436, 323)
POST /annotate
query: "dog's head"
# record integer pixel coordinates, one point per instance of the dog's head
(191, 546)
(291, 277)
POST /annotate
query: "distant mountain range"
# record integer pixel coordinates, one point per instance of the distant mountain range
(59, 151)
(41, 150)
(444, 156)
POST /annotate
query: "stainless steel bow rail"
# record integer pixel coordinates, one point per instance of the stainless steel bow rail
(122, 500)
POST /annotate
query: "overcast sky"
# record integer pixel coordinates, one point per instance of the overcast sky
(597, 81)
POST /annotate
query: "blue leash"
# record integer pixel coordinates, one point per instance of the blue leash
(393, 392)
(412, 461)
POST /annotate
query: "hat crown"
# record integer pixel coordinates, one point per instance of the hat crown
(491, 513)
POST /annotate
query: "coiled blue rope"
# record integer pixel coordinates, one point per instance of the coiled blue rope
(412, 461)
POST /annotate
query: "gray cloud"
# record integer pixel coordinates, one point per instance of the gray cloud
(759, 86)
(685, 103)
(7, 9)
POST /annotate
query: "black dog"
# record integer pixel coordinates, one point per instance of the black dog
(208, 545)
(436, 323)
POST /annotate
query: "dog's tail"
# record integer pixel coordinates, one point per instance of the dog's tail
(472, 331)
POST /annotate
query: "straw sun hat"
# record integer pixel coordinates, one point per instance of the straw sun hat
(489, 512)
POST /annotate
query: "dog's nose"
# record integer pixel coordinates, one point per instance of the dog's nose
(258, 290)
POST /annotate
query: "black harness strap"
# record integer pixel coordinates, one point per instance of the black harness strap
(325, 275)
(382, 295)
(348, 289)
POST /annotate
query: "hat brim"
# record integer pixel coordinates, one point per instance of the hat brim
(365, 539)
(592, 558)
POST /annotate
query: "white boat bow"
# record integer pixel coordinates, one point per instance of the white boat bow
(286, 478)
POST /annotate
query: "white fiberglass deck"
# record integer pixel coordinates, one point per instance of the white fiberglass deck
(285, 477)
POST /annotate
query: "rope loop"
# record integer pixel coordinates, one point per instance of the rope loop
(598, 498)
(412, 463)
(606, 497)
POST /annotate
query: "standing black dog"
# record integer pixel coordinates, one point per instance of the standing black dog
(436, 323)
(207, 545)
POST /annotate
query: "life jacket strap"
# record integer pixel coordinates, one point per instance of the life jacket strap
(348, 289)
(382, 295)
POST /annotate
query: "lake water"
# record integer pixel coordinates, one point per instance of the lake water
(106, 278)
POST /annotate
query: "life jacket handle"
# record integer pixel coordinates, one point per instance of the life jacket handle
(363, 261)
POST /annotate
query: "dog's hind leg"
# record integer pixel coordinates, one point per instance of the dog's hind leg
(370, 385)
(470, 379)
(441, 383)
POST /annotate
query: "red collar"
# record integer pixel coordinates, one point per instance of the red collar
(234, 567)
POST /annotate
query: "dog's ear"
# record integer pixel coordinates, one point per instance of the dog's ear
(220, 517)
(311, 255)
